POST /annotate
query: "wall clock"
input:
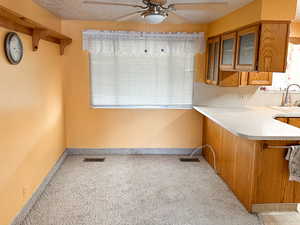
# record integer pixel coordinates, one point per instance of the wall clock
(13, 48)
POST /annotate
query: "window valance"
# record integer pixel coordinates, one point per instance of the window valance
(142, 43)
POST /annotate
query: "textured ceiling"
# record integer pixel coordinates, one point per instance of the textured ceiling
(75, 9)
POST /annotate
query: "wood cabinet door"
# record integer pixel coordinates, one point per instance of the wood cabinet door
(247, 47)
(243, 79)
(199, 67)
(260, 78)
(229, 79)
(273, 46)
(283, 119)
(213, 58)
(294, 122)
(228, 52)
(212, 136)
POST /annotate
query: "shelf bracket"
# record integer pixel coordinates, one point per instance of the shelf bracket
(37, 35)
(63, 44)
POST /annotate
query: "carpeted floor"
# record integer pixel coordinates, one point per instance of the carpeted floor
(137, 190)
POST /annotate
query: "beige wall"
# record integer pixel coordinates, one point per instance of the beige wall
(120, 128)
(31, 115)
(248, 14)
(278, 9)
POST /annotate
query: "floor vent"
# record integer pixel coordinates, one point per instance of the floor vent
(189, 159)
(94, 160)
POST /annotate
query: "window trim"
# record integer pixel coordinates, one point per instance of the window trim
(141, 106)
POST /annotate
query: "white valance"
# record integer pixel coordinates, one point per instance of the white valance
(142, 43)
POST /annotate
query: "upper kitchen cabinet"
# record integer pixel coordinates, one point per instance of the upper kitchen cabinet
(259, 47)
(228, 51)
(213, 57)
(247, 47)
(273, 47)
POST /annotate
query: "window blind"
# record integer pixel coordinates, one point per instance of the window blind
(141, 73)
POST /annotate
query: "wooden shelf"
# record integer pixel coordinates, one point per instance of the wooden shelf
(16, 22)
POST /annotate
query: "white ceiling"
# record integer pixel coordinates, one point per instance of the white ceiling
(74, 9)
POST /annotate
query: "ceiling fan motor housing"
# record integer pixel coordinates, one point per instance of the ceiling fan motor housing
(155, 2)
(154, 11)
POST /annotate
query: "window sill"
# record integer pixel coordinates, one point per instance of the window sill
(141, 107)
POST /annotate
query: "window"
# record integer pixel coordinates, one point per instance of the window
(292, 74)
(141, 70)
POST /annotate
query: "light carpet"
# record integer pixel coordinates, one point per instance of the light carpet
(137, 190)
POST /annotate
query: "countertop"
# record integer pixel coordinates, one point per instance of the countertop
(254, 123)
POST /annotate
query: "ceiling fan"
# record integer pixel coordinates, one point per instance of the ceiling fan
(156, 11)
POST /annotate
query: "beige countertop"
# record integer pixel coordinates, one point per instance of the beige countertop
(254, 123)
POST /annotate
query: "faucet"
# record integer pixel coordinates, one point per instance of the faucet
(285, 103)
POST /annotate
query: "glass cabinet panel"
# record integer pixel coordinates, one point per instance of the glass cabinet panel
(216, 61)
(213, 55)
(228, 54)
(246, 49)
(211, 50)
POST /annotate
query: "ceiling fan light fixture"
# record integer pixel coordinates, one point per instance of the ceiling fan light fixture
(155, 14)
(154, 18)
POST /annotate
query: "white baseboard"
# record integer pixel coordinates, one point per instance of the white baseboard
(130, 151)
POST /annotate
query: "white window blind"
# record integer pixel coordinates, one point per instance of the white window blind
(147, 70)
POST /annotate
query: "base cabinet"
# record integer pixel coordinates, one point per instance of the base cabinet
(235, 160)
(256, 175)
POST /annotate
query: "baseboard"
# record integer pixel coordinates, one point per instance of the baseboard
(25, 210)
(129, 151)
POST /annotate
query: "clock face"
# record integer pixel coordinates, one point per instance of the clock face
(13, 48)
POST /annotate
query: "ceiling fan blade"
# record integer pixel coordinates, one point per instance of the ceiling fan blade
(198, 6)
(175, 18)
(127, 16)
(111, 3)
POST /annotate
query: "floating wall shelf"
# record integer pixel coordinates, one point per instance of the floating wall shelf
(14, 21)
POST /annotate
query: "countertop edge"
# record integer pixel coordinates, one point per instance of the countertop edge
(247, 136)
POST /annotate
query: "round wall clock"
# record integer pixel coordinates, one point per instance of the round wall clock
(13, 48)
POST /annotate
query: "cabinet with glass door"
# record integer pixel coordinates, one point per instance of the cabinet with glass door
(247, 49)
(213, 56)
(228, 47)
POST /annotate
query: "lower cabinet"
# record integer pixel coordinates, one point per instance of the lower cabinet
(235, 160)
(290, 120)
(294, 122)
(254, 173)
